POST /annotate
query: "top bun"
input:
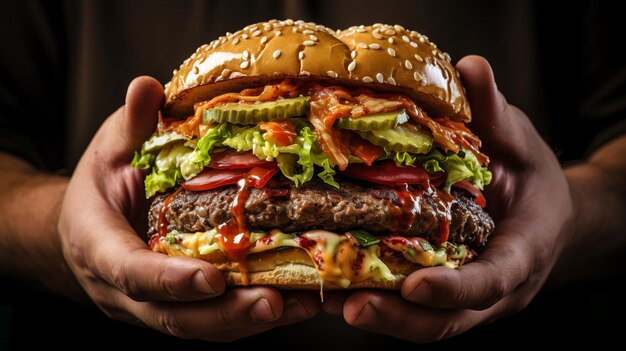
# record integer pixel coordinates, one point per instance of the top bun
(380, 57)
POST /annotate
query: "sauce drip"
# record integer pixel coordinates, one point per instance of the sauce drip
(410, 208)
(162, 223)
(233, 234)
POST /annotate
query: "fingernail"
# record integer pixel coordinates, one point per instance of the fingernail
(367, 316)
(420, 293)
(261, 311)
(295, 310)
(201, 284)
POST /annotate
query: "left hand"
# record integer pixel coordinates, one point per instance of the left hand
(532, 207)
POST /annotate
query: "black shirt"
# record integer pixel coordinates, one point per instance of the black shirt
(65, 67)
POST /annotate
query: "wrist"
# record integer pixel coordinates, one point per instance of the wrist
(30, 247)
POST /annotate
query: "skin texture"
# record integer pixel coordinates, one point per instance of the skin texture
(541, 234)
(176, 295)
(78, 237)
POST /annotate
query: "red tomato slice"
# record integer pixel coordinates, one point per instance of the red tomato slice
(365, 150)
(479, 198)
(259, 176)
(388, 173)
(281, 131)
(238, 160)
(212, 178)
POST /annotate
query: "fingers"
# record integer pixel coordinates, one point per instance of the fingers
(238, 313)
(387, 313)
(478, 285)
(133, 124)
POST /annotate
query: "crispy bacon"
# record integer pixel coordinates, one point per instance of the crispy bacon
(331, 102)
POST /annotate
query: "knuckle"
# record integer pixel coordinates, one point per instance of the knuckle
(223, 318)
(169, 323)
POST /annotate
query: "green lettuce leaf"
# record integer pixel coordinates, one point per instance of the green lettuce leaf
(202, 154)
(462, 166)
(143, 160)
(161, 181)
(364, 238)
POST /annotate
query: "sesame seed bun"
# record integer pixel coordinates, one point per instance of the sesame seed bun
(380, 57)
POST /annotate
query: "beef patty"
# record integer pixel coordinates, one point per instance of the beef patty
(315, 205)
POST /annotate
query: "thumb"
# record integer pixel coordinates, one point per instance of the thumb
(492, 118)
(136, 121)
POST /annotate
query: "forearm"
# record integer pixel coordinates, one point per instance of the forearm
(597, 236)
(29, 245)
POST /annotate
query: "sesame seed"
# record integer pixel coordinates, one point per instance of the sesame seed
(235, 41)
(446, 56)
(305, 73)
(301, 55)
(361, 30)
(418, 57)
(295, 29)
(278, 33)
(415, 34)
(413, 44)
(434, 52)
(398, 27)
(276, 54)
(225, 72)
(391, 52)
(391, 80)
(313, 37)
(353, 54)
(351, 66)
(245, 36)
(244, 64)
(256, 33)
(229, 34)
(307, 31)
(267, 28)
(289, 22)
(458, 75)
(195, 69)
(377, 35)
(380, 78)
(300, 22)
(367, 79)
(263, 40)
(408, 64)
(374, 46)
(405, 38)
(246, 54)
(417, 76)
(332, 74)
(390, 32)
(422, 40)
(308, 43)
(362, 45)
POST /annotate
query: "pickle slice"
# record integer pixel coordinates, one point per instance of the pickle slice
(244, 113)
(377, 121)
(409, 138)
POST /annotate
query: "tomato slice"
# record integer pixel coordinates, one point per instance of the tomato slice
(212, 178)
(388, 173)
(479, 198)
(237, 160)
(259, 176)
(281, 131)
(365, 150)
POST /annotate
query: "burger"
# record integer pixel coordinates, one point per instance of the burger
(291, 155)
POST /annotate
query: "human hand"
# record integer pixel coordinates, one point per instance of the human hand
(177, 295)
(530, 202)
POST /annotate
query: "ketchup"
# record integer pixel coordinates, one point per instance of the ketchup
(162, 222)
(233, 234)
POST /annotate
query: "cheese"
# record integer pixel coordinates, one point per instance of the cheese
(338, 258)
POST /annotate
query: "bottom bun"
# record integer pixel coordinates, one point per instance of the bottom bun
(301, 276)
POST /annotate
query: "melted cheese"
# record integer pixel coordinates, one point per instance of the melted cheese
(337, 258)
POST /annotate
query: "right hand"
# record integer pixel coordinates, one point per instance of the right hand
(180, 296)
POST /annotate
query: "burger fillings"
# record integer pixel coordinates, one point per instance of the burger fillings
(292, 155)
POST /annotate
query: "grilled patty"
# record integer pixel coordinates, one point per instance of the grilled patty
(315, 205)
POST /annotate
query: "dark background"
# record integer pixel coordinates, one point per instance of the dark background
(66, 65)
